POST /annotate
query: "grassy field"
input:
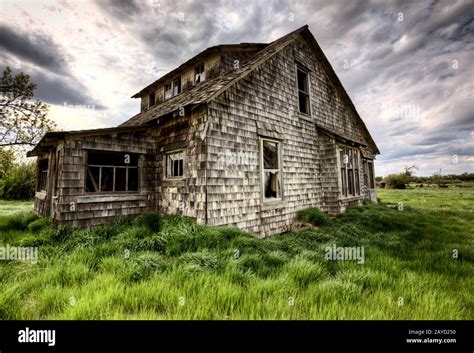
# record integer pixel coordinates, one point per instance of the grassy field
(179, 270)
(10, 207)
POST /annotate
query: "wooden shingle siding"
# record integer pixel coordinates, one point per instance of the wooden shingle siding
(87, 211)
(219, 127)
(268, 96)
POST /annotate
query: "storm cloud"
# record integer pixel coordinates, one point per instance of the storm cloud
(407, 65)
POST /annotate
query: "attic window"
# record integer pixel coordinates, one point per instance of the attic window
(42, 174)
(199, 73)
(111, 172)
(271, 170)
(303, 91)
(151, 100)
(177, 86)
(168, 91)
(175, 164)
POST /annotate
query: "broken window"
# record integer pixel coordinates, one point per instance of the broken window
(111, 172)
(303, 91)
(42, 174)
(199, 73)
(177, 86)
(175, 164)
(350, 183)
(271, 170)
(151, 100)
(168, 91)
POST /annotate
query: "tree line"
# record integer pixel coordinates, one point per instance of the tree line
(23, 122)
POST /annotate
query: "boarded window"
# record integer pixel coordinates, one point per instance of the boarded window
(112, 172)
(303, 91)
(177, 86)
(42, 174)
(271, 169)
(199, 74)
(168, 91)
(350, 181)
(175, 165)
(151, 100)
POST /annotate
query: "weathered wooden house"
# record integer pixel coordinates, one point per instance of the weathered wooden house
(240, 135)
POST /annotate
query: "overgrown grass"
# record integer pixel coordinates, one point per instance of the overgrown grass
(10, 207)
(172, 268)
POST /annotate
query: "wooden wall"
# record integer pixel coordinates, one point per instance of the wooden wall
(78, 208)
(185, 196)
(310, 163)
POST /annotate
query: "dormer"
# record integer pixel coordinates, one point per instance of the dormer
(212, 62)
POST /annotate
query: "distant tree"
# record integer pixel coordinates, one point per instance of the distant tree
(378, 178)
(7, 158)
(397, 181)
(22, 120)
(436, 178)
(19, 182)
(409, 171)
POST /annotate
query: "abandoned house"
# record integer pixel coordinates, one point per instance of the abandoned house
(241, 135)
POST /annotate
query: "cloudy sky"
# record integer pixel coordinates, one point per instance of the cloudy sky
(407, 65)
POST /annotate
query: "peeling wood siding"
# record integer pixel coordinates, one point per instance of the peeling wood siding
(185, 196)
(71, 180)
(309, 159)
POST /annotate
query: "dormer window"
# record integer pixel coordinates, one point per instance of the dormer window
(177, 86)
(168, 91)
(151, 100)
(199, 74)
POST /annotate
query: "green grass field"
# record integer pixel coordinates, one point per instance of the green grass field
(132, 270)
(10, 207)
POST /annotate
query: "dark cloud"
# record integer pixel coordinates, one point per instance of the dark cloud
(36, 48)
(123, 10)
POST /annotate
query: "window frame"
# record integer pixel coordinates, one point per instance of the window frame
(307, 94)
(42, 174)
(368, 170)
(371, 173)
(279, 199)
(349, 175)
(115, 167)
(202, 73)
(168, 175)
(165, 97)
(173, 86)
(153, 94)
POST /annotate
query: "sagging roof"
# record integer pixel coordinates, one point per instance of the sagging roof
(50, 139)
(215, 49)
(209, 89)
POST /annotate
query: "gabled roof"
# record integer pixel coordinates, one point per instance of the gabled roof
(195, 59)
(209, 89)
